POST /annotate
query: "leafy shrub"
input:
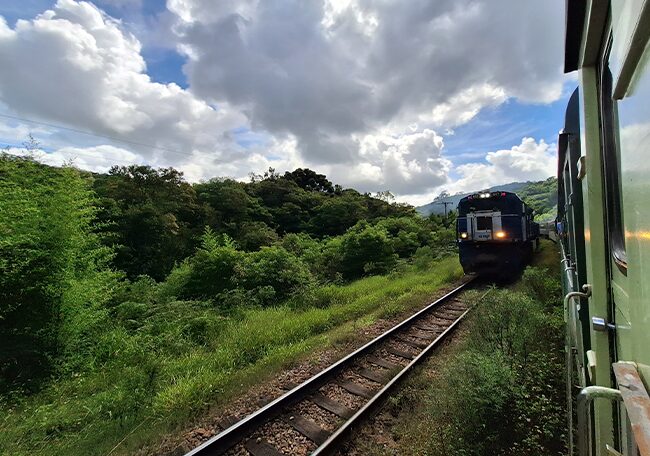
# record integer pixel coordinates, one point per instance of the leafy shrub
(253, 235)
(309, 250)
(52, 286)
(504, 395)
(477, 404)
(273, 272)
(423, 257)
(365, 249)
(541, 285)
(206, 274)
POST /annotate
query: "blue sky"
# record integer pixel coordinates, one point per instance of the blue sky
(285, 83)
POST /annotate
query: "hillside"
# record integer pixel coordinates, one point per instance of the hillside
(539, 195)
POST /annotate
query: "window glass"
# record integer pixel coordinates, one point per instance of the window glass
(633, 140)
(483, 223)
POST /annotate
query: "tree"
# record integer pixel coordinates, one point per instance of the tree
(310, 180)
(335, 215)
(53, 268)
(152, 216)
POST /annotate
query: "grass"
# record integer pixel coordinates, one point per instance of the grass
(496, 392)
(150, 385)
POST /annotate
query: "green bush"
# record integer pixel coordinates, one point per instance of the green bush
(477, 405)
(53, 277)
(365, 250)
(504, 395)
(542, 286)
(208, 273)
(273, 273)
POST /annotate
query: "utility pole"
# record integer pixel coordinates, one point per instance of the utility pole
(446, 203)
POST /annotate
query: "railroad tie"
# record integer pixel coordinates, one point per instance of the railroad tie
(457, 309)
(227, 421)
(261, 448)
(382, 362)
(374, 375)
(357, 389)
(309, 429)
(400, 353)
(426, 328)
(289, 386)
(445, 317)
(412, 343)
(422, 335)
(332, 406)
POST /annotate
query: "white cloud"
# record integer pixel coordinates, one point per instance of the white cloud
(98, 159)
(76, 66)
(353, 88)
(528, 161)
(325, 71)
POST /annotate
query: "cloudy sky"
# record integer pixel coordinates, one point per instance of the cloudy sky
(409, 96)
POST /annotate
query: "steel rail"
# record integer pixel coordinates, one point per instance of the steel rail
(339, 436)
(229, 437)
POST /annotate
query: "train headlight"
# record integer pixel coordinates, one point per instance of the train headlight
(500, 234)
(463, 235)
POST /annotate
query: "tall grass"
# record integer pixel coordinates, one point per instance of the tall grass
(501, 391)
(169, 361)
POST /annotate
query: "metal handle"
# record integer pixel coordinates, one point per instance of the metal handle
(585, 398)
(571, 336)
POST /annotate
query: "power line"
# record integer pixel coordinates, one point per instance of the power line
(112, 138)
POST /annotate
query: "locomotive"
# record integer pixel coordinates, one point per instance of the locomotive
(496, 233)
(603, 227)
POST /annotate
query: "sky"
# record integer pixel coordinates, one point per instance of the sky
(413, 97)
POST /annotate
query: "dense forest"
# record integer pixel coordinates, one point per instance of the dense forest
(107, 280)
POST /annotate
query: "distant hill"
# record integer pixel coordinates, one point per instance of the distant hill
(540, 195)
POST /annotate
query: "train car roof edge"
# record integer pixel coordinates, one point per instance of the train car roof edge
(574, 25)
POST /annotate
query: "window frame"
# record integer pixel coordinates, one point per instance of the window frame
(610, 156)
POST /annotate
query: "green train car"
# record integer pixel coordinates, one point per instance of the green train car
(603, 226)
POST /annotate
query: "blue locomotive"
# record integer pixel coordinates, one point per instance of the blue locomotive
(496, 233)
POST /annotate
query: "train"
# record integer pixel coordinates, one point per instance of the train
(496, 233)
(603, 227)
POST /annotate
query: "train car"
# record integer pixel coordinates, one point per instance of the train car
(496, 233)
(603, 227)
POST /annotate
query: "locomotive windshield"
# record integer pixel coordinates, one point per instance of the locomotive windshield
(484, 223)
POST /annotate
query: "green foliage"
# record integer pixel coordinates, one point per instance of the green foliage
(151, 218)
(504, 394)
(274, 272)
(52, 287)
(365, 249)
(310, 180)
(134, 297)
(159, 361)
(542, 286)
(335, 215)
(206, 274)
(253, 235)
(542, 197)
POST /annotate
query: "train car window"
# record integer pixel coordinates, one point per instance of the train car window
(483, 223)
(611, 163)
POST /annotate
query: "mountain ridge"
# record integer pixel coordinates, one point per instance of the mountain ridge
(539, 194)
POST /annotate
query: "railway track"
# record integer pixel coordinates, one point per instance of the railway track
(318, 415)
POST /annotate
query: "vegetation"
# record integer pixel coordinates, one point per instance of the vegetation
(501, 392)
(134, 297)
(540, 195)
